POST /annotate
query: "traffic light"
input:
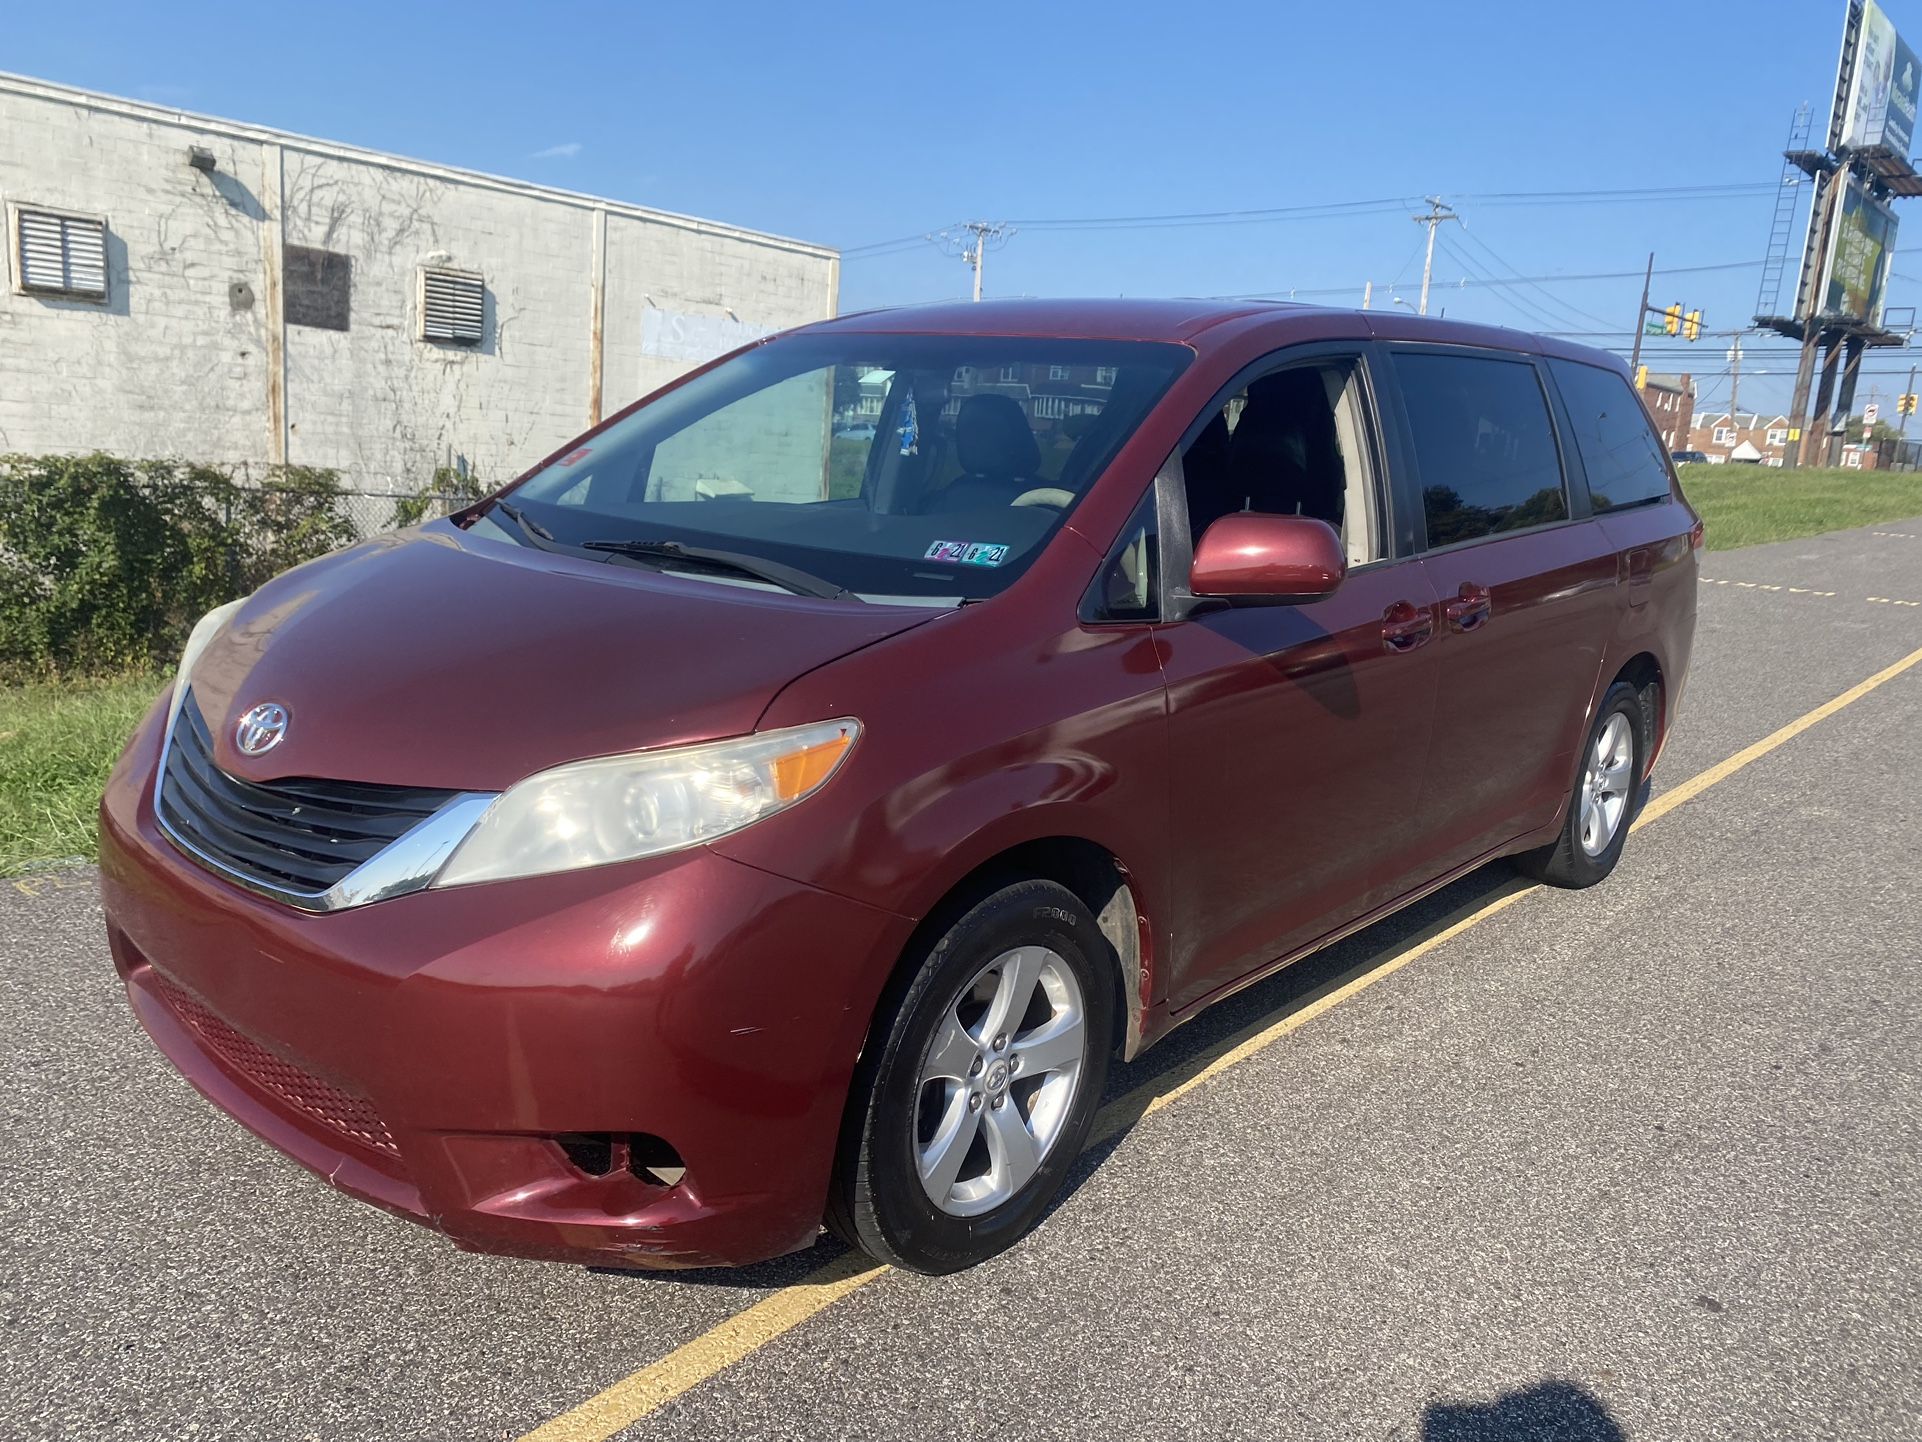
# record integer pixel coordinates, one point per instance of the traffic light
(1692, 325)
(1905, 404)
(1672, 320)
(1641, 378)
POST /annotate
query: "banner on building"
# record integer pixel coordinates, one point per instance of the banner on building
(683, 336)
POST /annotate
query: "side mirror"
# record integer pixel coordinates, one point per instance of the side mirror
(1253, 557)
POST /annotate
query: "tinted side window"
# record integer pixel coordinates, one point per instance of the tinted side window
(1484, 444)
(1612, 431)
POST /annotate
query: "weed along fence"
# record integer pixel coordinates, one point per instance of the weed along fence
(106, 563)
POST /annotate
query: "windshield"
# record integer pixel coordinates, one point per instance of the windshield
(920, 468)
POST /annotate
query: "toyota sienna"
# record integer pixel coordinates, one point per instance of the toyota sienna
(777, 807)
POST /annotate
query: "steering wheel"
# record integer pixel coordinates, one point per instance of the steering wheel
(1044, 496)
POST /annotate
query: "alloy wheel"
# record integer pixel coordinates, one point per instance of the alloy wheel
(999, 1080)
(1606, 781)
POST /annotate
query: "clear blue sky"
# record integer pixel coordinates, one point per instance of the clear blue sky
(856, 124)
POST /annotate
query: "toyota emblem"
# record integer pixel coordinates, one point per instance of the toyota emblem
(260, 729)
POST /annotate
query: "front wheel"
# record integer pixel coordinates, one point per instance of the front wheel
(979, 1086)
(1604, 804)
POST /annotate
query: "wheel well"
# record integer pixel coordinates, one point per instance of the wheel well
(1644, 673)
(1096, 877)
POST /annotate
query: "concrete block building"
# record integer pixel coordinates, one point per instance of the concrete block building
(176, 285)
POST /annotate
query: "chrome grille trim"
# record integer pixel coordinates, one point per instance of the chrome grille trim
(409, 861)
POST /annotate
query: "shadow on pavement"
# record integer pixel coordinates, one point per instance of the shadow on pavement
(1546, 1412)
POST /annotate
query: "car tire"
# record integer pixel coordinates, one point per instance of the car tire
(953, 1079)
(1606, 799)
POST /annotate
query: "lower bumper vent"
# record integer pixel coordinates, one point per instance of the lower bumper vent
(351, 1116)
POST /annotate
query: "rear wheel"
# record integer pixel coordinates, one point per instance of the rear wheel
(1605, 800)
(967, 1115)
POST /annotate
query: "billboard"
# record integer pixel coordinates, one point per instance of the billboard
(1859, 254)
(1881, 103)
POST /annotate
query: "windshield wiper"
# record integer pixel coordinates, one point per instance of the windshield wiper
(535, 532)
(791, 578)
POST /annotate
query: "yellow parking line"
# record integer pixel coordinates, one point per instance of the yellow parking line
(648, 1390)
(1696, 785)
(645, 1392)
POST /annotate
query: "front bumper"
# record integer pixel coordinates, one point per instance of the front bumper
(424, 1053)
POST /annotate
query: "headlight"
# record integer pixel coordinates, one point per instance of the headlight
(205, 629)
(618, 808)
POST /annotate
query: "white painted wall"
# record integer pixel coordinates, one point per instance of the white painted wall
(176, 363)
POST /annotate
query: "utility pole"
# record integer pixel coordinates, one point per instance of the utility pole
(1904, 406)
(1437, 213)
(974, 252)
(1735, 381)
(1641, 318)
(1367, 294)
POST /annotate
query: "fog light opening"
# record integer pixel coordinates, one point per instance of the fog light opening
(590, 1152)
(643, 1155)
(652, 1160)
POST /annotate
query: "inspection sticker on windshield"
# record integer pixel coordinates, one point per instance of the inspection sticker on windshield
(967, 553)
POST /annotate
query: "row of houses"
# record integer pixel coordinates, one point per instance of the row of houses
(1744, 437)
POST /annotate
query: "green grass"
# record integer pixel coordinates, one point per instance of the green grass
(1747, 505)
(58, 740)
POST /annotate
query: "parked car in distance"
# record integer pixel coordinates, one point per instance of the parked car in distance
(856, 433)
(1689, 458)
(702, 860)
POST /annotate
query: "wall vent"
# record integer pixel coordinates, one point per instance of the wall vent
(453, 305)
(60, 254)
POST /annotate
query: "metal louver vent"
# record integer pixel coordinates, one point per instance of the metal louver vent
(452, 306)
(61, 254)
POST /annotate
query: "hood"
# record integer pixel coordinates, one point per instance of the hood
(432, 658)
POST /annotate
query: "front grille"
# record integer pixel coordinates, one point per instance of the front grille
(299, 835)
(343, 1112)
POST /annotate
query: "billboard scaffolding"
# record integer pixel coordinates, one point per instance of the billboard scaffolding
(1839, 303)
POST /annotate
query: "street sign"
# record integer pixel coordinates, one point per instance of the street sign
(1870, 412)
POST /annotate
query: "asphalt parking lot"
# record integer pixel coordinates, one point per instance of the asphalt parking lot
(1643, 1161)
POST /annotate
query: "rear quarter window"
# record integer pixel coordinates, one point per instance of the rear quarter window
(1618, 446)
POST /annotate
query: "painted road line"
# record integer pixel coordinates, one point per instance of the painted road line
(1696, 785)
(1806, 591)
(1762, 586)
(714, 1351)
(646, 1391)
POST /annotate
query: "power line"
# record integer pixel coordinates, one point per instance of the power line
(1534, 314)
(1346, 208)
(1576, 312)
(1215, 217)
(1293, 291)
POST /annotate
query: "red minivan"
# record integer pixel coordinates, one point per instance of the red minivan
(778, 807)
